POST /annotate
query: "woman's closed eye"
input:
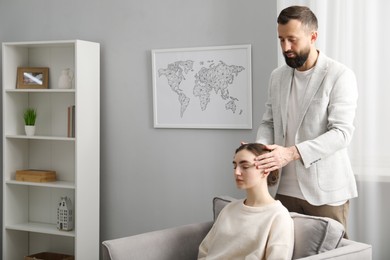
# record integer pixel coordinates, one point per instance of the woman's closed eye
(244, 166)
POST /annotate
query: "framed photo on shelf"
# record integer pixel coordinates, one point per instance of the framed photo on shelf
(203, 87)
(32, 78)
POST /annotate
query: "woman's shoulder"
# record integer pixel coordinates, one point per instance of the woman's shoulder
(281, 212)
(233, 205)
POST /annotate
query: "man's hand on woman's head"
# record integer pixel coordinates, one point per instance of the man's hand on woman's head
(277, 158)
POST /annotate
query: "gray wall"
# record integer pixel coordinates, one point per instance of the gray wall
(153, 178)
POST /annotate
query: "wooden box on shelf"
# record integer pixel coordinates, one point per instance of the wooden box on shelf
(49, 256)
(32, 175)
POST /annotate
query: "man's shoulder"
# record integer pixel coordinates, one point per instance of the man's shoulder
(330, 63)
(280, 71)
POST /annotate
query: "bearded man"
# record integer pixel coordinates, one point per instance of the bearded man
(308, 122)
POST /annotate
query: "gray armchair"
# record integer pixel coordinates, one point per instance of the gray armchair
(315, 238)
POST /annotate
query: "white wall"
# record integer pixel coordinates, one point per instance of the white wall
(153, 178)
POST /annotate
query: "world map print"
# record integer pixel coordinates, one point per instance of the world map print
(206, 77)
(202, 87)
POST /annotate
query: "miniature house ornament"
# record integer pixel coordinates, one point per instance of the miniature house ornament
(65, 214)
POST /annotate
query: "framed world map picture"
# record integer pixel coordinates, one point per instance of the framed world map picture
(205, 87)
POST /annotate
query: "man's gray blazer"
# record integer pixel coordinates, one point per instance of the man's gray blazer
(325, 129)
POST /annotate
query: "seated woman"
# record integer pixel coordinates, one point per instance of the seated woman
(257, 227)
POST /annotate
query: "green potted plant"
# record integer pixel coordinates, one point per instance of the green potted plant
(30, 116)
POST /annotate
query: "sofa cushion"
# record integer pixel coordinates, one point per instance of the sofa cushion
(313, 235)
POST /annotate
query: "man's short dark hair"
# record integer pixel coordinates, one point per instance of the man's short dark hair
(300, 13)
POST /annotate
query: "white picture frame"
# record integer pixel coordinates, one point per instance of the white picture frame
(204, 87)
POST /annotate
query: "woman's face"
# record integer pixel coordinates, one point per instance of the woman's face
(245, 172)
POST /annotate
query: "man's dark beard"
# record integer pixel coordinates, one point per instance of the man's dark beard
(296, 62)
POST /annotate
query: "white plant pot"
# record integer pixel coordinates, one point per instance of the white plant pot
(30, 130)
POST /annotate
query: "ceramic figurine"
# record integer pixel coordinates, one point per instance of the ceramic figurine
(66, 78)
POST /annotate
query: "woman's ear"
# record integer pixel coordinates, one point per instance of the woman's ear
(264, 174)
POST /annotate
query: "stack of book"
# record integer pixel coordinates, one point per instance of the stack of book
(71, 121)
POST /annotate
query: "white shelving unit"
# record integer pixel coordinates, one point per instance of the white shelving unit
(29, 208)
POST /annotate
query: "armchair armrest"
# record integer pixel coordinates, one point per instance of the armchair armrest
(168, 244)
(347, 249)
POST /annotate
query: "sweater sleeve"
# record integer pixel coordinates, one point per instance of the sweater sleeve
(280, 242)
(205, 245)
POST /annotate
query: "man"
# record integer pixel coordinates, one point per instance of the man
(308, 122)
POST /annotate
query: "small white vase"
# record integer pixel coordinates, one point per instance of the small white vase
(30, 130)
(65, 79)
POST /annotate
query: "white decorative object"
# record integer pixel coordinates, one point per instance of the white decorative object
(66, 78)
(65, 214)
(30, 130)
(206, 87)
